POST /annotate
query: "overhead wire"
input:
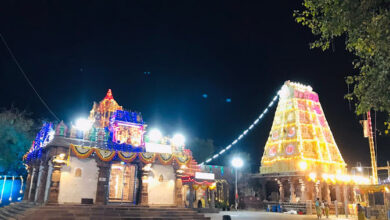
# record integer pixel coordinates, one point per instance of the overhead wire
(25, 76)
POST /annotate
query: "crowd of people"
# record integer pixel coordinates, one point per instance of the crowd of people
(322, 209)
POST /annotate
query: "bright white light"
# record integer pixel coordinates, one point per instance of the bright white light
(83, 124)
(178, 140)
(208, 160)
(257, 121)
(155, 135)
(250, 128)
(303, 165)
(246, 131)
(228, 147)
(270, 104)
(360, 169)
(234, 142)
(237, 162)
(265, 111)
(215, 156)
(222, 151)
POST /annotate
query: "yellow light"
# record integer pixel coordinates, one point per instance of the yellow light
(303, 165)
(387, 189)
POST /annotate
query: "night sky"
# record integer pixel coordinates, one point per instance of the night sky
(242, 50)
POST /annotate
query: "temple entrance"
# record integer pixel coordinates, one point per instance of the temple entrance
(122, 183)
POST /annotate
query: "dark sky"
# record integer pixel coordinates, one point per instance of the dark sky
(243, 50)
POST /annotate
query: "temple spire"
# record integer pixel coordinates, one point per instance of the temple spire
(109, 95)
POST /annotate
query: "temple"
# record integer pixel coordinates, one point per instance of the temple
(109, 158)
(301, 160)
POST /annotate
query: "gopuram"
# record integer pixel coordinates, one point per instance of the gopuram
(301, 160)
(110, 158)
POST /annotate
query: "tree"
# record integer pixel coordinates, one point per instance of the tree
(16, 134)
(201, 149)
(365, 25)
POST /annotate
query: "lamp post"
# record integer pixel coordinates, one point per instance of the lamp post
(237, 163)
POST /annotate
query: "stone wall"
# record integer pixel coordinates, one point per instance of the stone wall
(78, 180)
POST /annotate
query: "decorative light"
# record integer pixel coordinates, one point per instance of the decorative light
(155, 135)
(303, 165)
(360, 169)
(83, 124)
(250, 127)
(237, 162)
(178, 140)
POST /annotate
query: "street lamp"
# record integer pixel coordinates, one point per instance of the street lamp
(237, 163)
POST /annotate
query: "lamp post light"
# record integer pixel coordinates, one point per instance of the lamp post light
(237, 163)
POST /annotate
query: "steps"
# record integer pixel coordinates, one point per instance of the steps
(14, 210)
(97, 212)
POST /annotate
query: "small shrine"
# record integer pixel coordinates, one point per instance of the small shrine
(110, 158)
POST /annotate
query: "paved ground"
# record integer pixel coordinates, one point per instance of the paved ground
(254, 215)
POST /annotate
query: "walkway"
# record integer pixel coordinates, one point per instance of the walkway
(255, 215)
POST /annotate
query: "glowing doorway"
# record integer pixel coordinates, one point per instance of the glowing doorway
(122, 183)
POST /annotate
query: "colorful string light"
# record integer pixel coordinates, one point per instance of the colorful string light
(245, 132)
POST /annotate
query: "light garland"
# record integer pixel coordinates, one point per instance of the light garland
(245, 132)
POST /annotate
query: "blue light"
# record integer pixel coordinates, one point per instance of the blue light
(205, 96)
(228, 100)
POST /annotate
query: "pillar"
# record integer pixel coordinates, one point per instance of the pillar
(212, 203)
(345, 190)
(206, 203)
(192, 196)
(303, 190)
(292, 191)
(144, 187)
(318, 190)
(327, 193)
(178, 192)
(42, 182)
(33, 184)
(263, 192)
(28, 183)
(54, 189)
(281, 191)
(338, 193)
(102, 184)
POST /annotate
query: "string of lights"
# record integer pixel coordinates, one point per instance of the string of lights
(245, 132)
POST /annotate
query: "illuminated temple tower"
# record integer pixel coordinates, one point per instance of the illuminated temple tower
(301, 157)
(300, 137)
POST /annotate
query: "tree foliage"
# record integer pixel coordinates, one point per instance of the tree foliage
(365, 25)
(16, 134)
(201, 148)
